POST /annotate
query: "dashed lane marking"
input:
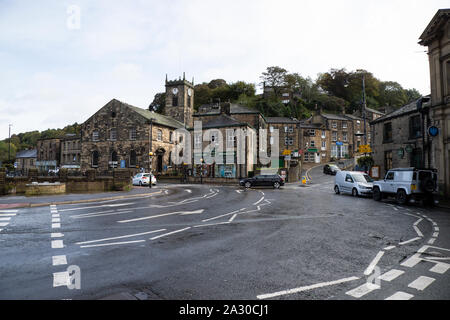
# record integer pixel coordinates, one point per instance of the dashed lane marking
(105, 213)
(57, 235)
(400, 295)
(362, 290)
(7, 214)
(212, 224)
(306, 288)
(59, 260)
(418, 221)
(61, 279)
(5, 219)
(9, 211)
(56, 225)
(163, 215)
(57, 244)
(391, 275)
(3, 224)
(419, 233)
(389, 248)
(101, 206)
(421, 283)
(415, 258)
(440, 268)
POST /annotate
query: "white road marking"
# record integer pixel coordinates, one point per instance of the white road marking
(169, 233)
(9, 211)
(439, 248)
(431, 241)
(233, 217)
(61, 279)
(59, 260)
(396, 209)
(409, 241)
(238, 191)
(5, 219)
(400, 296)
(434, 224)
(56, 225)
(440, 268)
(421, 283)
(101, 206)
(57, 235)
(188, 190)
(212, 224)
(257, 202)
(53, 211)
(418, 221)
(93, 215)
(436, 228)
(391, 275)
(222, 215)
(1, 230)
(7, 214)
(111, 244)
(56, 220)
(300, 289)
(362, 290)
(215, 194)
(436, 234)
(3, 224)
(57, 244)
(162, 215)
(373, 263)
(121, 237)
(418, 231)
(415, 258)
(389, 248)
(56, 215)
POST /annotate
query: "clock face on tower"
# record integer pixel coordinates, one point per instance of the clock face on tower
(175, 90)
(189, 92)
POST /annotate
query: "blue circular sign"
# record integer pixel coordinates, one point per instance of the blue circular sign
(433, 131)
(339, 143)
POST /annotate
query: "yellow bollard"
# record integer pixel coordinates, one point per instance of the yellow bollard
(303, 180)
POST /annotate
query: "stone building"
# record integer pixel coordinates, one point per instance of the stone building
(180, 100)
(121, 136)
(436, 37)
(341, 131)
(316, 143)
(70, 152)
(398, 139)
(26, 160)
(48, 154)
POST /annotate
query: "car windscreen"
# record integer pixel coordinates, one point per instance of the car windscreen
(363, 178)
(146, 175)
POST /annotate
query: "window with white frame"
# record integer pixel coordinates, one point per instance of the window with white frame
(324, 145)
(344, 125)
(271, 129)
(285, 129)
(133, 134)
(159, 135)
(334, 151)
(113, 134)
(198, 140)
(291, 141)
(95, 136)
(271, 140)
(306, 158)
(323, 134)
(291, 129)
(334, 136)
(230, 138)
(344, 136)
(334, 124)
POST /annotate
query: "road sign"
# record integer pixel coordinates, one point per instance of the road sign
(365, 148)
(433, 131)
(339, 143)
(286, 152)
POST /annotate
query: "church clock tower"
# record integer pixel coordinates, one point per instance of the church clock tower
(180, 100)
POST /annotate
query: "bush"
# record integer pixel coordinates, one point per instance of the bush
(366, 162)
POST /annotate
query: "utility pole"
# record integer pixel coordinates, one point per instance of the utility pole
(150, 153)
(364, 107)
(9, 146)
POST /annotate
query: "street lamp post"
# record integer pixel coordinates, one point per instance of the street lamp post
(150, 153)
(201, 171)
(150, 158)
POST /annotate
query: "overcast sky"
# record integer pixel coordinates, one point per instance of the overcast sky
(54, 71)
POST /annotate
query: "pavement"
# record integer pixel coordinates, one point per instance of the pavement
(224, 242)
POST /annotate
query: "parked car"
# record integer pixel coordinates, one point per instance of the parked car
(263, 180)
(408, 185)
(331, 169)
(142, 179)
(354, 182)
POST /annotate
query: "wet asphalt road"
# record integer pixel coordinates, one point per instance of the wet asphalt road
(223, 242)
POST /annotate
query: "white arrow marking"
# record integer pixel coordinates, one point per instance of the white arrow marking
(163, 215)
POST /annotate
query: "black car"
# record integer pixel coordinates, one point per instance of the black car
(330, 169)
(263, 180)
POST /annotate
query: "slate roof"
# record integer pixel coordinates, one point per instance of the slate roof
(436, 23)
(406, 109)
(222, 120)
(234, 109)
(27, 154)
(333, 116)
(353, 117)
(374, 111)
(281, 120)
(157, 117)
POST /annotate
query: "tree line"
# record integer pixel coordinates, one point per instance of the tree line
(332, 91)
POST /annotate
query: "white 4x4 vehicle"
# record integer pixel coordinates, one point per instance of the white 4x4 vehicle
(407, 185)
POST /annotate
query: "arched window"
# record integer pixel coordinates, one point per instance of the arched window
(133, 158)
(159, 137)
(95, 157)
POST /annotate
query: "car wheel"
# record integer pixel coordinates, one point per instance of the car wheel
(140, 183)
(276, 185)
(354, 192)
(248, 184)
(336, 189)
(377, 194)
(401, 197)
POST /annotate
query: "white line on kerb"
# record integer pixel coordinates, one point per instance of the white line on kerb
(169, 233)
(300, 289)
(373, 263)
(121, 237)
(110, 244)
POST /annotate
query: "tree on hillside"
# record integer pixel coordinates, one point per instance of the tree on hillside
(392, 94)
(158, 103)
(274, 77)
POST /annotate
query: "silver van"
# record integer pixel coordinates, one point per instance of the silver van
(354, 182)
